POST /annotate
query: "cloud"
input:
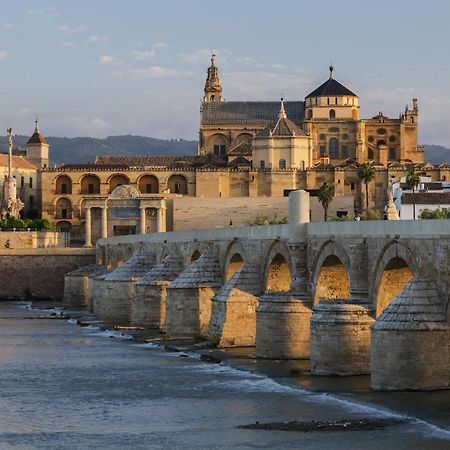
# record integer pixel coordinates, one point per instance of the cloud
(255, 85)
(67, 45)
(98, 126)
(143, 55)
(108, 60)
(159, 45)
(25, 111)
(155, 72)
(200, 56)
(8, 25)
(35, 12)
(72, 29)
(94, 39)
(3, 55)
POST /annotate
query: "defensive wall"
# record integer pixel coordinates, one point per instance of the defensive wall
(354, 297)
(39, 271)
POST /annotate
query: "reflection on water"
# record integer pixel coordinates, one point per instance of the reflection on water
(67, 387)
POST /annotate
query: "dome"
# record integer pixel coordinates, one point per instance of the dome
(331, 88)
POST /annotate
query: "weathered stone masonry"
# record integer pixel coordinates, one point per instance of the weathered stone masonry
(259, 285)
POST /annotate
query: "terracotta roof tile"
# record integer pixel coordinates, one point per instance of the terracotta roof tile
(426, 198)
(18, 162)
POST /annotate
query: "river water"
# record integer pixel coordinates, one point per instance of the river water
(68, 387)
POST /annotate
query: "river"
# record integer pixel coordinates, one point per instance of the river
(68, 387)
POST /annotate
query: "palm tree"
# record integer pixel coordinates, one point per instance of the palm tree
(325, 195)
(366, 174)
(412, 181)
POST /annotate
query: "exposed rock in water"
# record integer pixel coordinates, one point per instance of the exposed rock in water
(333, 425)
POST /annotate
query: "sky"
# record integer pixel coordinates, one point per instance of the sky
(110, 67)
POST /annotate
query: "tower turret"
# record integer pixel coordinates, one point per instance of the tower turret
(37, 149)
(332, 101)
(213, 88)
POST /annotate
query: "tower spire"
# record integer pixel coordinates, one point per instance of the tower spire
(213, 88)
(331, 70)
(282, 113)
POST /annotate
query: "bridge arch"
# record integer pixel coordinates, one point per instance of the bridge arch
(394, 268)
(330, 272)
(235, 258)
(278, 268)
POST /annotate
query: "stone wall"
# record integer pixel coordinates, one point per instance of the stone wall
(39, 271)
(194, 213)
(32, 239)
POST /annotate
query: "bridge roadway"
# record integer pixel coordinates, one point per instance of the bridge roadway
(355, 297)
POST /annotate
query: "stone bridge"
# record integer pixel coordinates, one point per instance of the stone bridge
(354, 297)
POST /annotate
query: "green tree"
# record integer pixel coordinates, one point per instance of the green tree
(412, 181)
(325, 195)
(366, 174)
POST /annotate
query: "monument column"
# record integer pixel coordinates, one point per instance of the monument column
(142, 220)
(104, 222)
(161, 219)
(88, 230)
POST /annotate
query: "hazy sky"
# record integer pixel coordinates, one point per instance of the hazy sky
(111, 67)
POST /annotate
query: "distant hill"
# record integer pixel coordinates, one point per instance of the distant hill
(85, 149)
(436, 154)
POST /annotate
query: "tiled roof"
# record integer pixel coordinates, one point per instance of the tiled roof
(282, 127)
(242, 149)
(428, 186)
(330, 88)
(248, 113)
(240, 161)
(93, 166)
(426, 198)
(155, 161)
(18, 162)
(37, 138)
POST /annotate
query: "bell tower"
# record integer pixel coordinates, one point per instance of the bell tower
(213, 88)
(37, 149)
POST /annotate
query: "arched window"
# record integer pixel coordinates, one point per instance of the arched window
(90, 184)
(333, 148)
(282, 164)
(310, 114)
(63, 208)
(218, 145)
(332, 114)
(117, 180)
(177, 184)
(63, 185)
(370, 153)
(354, 114)
(148, 184)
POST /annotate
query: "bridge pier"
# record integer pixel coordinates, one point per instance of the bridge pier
(282, 326)
(188, 302)
(410, 341)
(114, 291)
(77, 284)
(233, 317)
(340, 338)
(148, 308)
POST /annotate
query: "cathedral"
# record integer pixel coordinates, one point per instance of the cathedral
(325, 128)
(250, 155)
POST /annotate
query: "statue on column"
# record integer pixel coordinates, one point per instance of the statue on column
(11, 205)
(391, 210)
